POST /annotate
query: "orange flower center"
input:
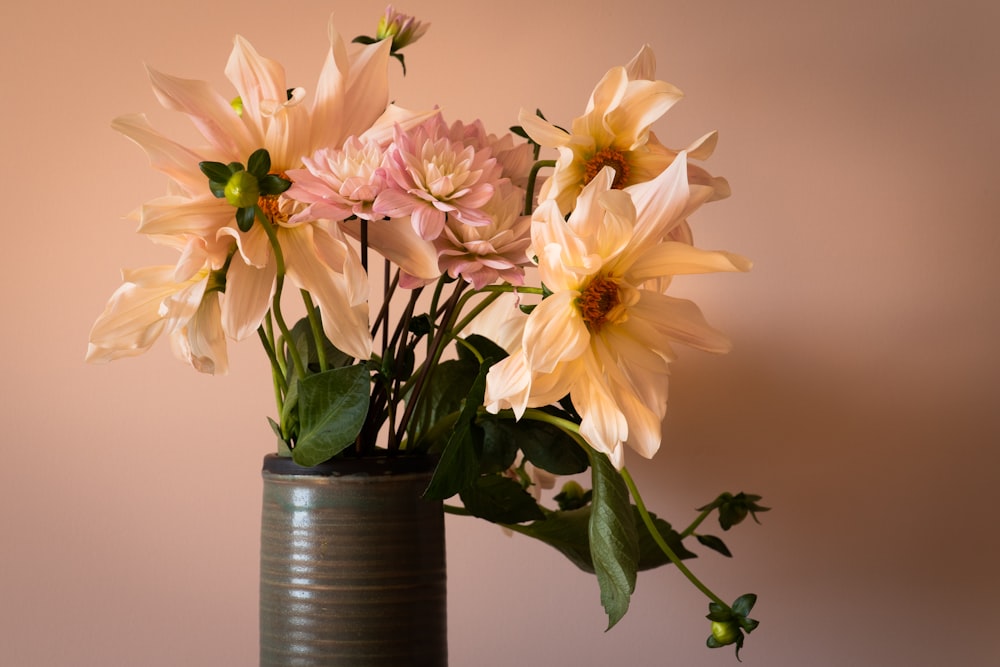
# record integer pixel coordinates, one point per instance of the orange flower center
(598, 299)
(271, 206)
(608, 157)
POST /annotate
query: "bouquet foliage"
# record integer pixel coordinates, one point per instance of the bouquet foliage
(456, 295)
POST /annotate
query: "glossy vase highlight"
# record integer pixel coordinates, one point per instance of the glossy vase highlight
(352, 565)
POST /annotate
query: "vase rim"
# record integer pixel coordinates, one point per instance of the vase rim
(371, 466)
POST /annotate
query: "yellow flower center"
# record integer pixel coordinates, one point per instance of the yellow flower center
(597, 301)
(607, 157)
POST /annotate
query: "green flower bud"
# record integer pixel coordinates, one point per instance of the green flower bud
(725, 632)
(242, 190)
(572, 496)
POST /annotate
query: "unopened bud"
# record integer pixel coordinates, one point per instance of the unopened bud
(242, 190)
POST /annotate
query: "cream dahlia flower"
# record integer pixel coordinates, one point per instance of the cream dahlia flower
(615, 132)
(604, 334)
(163, 300)
(351, 99)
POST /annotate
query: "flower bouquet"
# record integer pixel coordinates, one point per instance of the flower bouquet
(457, 294)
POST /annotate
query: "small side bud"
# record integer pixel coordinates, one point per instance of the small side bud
(242, 190)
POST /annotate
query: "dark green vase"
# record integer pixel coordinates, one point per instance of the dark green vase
(352, 565)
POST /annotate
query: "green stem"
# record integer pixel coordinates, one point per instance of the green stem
(660, 542)
(694, 524)
(458, 511)
(574, 430)
(277, 376)
(433, 357)
(529, 196)
(279, 283)
(494, 292)
(433, 310)
(317, 329)
(382, 319)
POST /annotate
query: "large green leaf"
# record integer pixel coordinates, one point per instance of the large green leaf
(614, 542)
(500, 443)
(568, 531)
(332, 410)
(551, 448)
(501, 500)
(460, 460)
(304, 341)
(443, 395)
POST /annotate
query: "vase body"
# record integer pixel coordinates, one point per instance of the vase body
(352, 565)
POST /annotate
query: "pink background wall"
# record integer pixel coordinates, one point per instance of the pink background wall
(860, 138)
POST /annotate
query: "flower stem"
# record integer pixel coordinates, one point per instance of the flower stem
(694, 524)
(433, 356)
(529, 196)
(317, 329)
(277, 375)
(279, 283)
(660, 542)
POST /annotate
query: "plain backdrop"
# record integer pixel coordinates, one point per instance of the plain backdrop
(860, 138)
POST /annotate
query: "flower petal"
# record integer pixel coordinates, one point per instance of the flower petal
(212, 115)
(344, 321)
(680, 320)
(555, 332)
(248, 296)
(166, 156)
(671, 259)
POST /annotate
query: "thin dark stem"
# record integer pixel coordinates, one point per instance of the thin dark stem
(529, 196)
(434, 354)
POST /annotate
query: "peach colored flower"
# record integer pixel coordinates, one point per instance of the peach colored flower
(615, 132)
(603, 336)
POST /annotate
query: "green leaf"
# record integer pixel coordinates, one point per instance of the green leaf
(443, 396)
(486, 348)
(715, 544)
(399, 56)
(272, 184)
(501, 500)
(613, 538)
(568, 531)
(283, 449)
(244, 218)
(332, 410)
(363, 39)
(650, 553)
(744, 604)
(519, 131)
(216, 171)
(500, 443)
(305, 343)
(259, 163)
(551, 448)
(460, 460)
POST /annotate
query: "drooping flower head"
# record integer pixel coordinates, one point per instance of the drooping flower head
(604, 335)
